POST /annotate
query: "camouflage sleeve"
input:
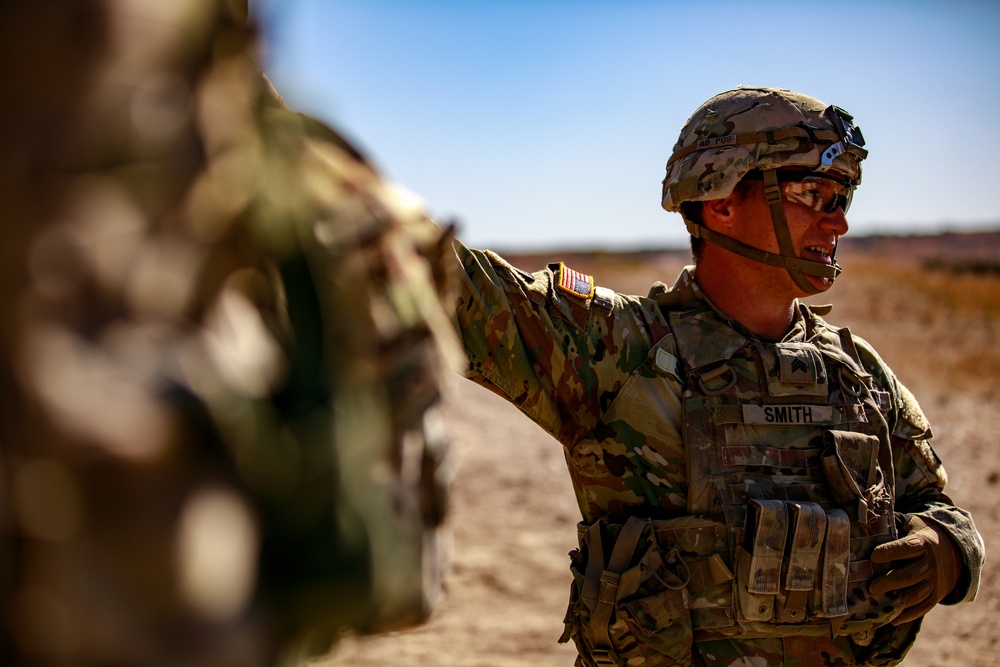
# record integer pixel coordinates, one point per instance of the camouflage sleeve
(552, 353)
(921, 479)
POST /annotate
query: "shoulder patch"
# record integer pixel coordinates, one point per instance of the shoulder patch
(574, 282)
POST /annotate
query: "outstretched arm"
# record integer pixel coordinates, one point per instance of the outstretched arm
(552, 352)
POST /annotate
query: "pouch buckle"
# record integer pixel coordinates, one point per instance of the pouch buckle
(605, 656)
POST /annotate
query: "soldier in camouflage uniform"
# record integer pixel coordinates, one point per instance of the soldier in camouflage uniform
(223, 344)
(756, 486)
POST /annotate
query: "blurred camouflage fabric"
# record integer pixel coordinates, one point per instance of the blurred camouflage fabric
(223, 342)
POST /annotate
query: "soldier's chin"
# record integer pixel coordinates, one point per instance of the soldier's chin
(819, 283)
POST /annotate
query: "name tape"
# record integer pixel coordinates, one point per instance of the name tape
(728, 140)
(787, 414)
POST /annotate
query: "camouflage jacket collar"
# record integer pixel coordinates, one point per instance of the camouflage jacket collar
(707, 335)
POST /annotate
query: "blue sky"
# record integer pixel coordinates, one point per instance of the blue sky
(541, 123)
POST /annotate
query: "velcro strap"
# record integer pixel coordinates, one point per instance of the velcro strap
(836, 560)
(771, 529)
(808, 531)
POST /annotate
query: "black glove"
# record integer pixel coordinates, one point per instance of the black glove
(924, 564)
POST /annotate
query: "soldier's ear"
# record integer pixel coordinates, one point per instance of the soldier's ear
(719, 213)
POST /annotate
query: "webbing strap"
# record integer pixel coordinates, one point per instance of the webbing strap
(600, 586)
(595, 563)
(755, 138)
(808, 531)
(792, 263)
(772, 194)
(836, 559)
(771, 529)
(594, 588)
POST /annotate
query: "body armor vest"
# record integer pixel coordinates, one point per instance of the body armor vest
(790, 488)
(788, 453)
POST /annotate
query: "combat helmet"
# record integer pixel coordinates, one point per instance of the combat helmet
(761, 129)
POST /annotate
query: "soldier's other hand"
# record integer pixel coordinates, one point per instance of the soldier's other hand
(924, 566)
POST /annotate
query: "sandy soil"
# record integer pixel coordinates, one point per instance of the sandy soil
(513, 513)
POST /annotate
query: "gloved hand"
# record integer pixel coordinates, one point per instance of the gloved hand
(925, 566)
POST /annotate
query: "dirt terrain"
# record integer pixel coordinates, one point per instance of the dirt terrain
(931, 306)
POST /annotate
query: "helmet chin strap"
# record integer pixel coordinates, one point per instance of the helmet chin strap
(786, 258)
(795, 266)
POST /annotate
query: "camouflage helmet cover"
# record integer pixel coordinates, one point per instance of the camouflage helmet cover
(758, 128)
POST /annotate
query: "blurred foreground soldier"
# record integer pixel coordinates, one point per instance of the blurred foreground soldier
(756, 485)
(223, 341)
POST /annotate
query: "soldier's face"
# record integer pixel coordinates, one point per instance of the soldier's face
(814, 233)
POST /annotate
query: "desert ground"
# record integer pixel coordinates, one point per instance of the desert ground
(929, 305)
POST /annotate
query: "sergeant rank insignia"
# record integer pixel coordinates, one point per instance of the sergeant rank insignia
(575, 282)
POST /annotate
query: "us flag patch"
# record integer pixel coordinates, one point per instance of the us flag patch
(575, 282)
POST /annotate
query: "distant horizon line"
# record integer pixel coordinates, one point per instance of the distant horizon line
(638, 247)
